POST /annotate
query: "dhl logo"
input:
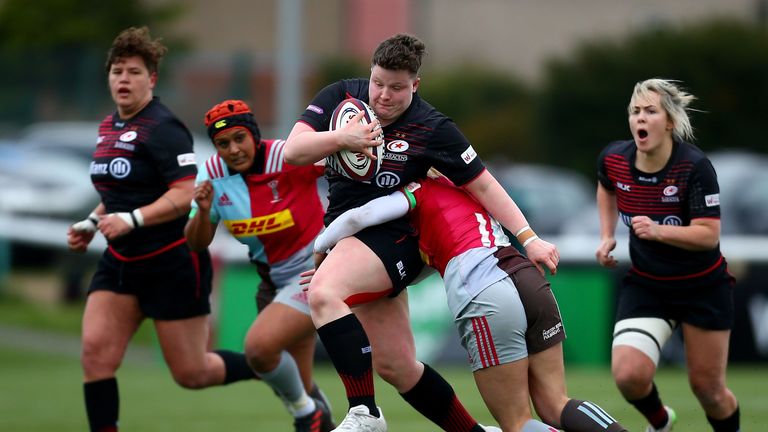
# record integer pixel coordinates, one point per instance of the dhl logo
(261, 225)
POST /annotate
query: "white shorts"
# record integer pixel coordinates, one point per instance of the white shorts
(492, 326)
(293, 295)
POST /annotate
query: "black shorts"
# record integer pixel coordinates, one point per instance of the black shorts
(708, 305)
(398, 250)
(173, 285)
(545, 324)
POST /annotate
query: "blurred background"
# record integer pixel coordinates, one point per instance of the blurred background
(539, 88)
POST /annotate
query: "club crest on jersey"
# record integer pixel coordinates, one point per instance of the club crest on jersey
(670, 193)
(275, 194)
(397, 146)
(120, 167)
(128, 136)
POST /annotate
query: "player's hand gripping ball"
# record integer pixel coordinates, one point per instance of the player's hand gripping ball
(351, 164)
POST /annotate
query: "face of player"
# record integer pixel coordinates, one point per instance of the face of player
(650, 124)
(390, 93)
(131, 85)
(237, 147)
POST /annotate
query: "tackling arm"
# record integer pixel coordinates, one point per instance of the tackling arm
(375, 212)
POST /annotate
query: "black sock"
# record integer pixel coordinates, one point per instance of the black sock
(235, 366)
(728, 424)
(348, 347)
(585, 416)
(435, 399)
(651, 408)
(102, 404)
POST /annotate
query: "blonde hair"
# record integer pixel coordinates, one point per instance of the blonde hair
(673, 99)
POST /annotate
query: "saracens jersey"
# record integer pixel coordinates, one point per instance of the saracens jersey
(457, 237)
(685, 189)
(135, 162)
(421, 138)
(275, 210)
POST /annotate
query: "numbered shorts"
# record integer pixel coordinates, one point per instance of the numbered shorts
(173, 285)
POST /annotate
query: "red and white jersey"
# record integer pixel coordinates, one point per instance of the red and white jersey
(275, 210)
(450, 222)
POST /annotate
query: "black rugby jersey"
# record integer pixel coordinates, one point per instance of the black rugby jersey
(421, 138)
(134, 163)
(685, 189)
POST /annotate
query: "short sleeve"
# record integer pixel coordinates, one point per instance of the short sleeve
(171, 150)
(704, 191)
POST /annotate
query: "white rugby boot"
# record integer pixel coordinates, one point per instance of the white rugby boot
(359, 419)
(670, 422)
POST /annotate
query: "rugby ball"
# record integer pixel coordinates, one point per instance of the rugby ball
(350, 164)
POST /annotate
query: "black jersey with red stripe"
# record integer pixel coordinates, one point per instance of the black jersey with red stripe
(685, 189)
(421, 138)
(134, 163)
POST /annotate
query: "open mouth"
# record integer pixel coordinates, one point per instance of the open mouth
(642, 133)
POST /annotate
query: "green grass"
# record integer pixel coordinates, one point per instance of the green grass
(43, 392)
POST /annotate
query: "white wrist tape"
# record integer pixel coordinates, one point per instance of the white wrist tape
(126, 217)
(530, 240)
(88, 224)
(138, 217)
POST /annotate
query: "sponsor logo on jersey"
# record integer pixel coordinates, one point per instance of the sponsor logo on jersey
(672, 220)
(100, 139)
(469, 155)
(186, 159)
(552, 331)
(622, 186)
(128, 136)
(712, 200)
(261, 225)
(125, 146)
(670, 190)
(395, 157)
(98, 168)
(648, 179)
(224, 200)
(397, 146)
(386, 179)
(316, 109)
(120, 167)
(670, 199)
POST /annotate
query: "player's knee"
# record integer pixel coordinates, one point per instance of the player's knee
(262, 357)
(189, 378)
(630, 375)
(710, 392)
(97, 359)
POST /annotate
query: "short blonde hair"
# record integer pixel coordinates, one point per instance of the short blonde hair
(674, 100)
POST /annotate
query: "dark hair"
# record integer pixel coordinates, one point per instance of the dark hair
(400, 52)
(136, 41)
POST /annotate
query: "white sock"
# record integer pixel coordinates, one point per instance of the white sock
(286, 382)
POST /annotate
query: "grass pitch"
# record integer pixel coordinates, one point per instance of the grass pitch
(40, 392)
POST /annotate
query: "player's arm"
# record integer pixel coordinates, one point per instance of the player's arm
(200, 228)
(80, 234)
(608, 214)
(305, 146)
(702, 234)
(375, 212)
(173, 204)
(492, 196)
